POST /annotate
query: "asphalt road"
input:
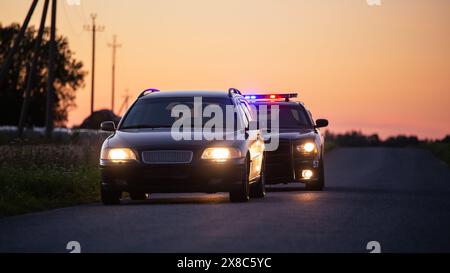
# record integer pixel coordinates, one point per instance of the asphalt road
(398, 197)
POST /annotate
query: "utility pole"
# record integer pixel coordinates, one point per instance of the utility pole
(51, 74)
(32, 72)
(114, 46)
(94, 28)
(8, 61)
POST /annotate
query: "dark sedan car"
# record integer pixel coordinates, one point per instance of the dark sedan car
(145, 154)
(300, 153)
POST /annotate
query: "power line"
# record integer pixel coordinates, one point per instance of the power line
(114, 46)
(94, 29)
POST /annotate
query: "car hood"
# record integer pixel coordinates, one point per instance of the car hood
(161, 139)
(296, 134)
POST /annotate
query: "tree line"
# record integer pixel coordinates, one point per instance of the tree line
(358, 139)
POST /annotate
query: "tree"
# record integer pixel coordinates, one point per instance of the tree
(69, 77)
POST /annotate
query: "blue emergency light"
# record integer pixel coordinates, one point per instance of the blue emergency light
(270, 96)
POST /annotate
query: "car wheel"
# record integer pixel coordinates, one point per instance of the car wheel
(242, 193)
(110, 197)
(258, 189)
(138, 196)
(320, 183)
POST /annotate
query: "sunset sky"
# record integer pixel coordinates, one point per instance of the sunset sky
(383, 69)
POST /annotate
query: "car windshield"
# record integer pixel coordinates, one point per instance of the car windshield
(157, 113)
(290, 116)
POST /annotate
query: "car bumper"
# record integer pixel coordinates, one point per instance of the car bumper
(291, 171)
(201, 177)
(285, 166)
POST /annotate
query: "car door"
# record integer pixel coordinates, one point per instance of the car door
(256, 143)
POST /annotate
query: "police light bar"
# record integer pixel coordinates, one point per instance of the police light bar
(270, 96)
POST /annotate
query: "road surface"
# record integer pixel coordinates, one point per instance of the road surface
(398, 197)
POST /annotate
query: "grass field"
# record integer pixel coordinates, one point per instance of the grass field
(42, 176)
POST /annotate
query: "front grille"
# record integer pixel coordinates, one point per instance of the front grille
(279, 162)
(167, 157)
(280, 155)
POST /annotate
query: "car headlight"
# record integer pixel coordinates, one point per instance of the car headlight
(307, 148)
(221, 154)
(118, 154)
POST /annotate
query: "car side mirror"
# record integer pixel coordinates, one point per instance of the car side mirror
(108, 126)
(321, 123)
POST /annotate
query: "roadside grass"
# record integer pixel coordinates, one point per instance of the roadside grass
(440, 149)
(329, 146)
(35, 189)
(35, 177)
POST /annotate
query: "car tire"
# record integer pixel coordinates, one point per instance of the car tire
(320, 183)
(258, 189)
(242, 193)
(138, 196)
(110, 197)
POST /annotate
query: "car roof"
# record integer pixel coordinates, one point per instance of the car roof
(188, 93)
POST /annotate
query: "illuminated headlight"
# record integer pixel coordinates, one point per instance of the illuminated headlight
(220, 154)
(307, 174)
(307, 148)
(118, 155)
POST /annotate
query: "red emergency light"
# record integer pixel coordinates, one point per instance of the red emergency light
(270, 96)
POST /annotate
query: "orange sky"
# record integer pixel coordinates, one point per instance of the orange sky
(379, 69)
